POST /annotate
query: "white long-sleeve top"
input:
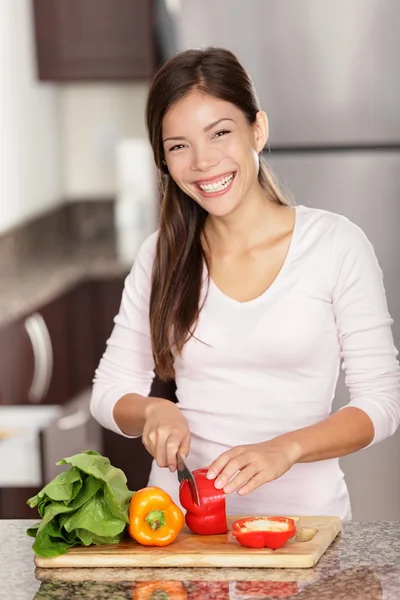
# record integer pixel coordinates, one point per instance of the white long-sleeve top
(270, 365)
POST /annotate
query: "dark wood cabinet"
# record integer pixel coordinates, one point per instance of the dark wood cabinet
(13, 503)
(106, 298)
(34, 357)
(47, 357)
(94, 39)
(82, 327)
(50, 355)
(55, 318)
(59, 347)
(16, 364)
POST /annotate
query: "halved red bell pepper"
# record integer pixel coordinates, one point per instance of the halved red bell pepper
(249, 532)
(210, 517)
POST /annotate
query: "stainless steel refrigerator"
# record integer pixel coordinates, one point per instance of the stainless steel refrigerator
(327, 73)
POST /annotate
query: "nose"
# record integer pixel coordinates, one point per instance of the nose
(203, 159)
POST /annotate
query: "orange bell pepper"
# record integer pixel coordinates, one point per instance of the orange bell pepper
(154, 519)
(160, 590)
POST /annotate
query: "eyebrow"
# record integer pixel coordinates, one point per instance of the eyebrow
(207, 128)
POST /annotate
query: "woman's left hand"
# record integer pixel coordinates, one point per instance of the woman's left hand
(253, 464)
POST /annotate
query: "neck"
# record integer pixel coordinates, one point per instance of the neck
(246, 226)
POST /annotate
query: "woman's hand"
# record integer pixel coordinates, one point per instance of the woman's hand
(165, 432)
(253, 464)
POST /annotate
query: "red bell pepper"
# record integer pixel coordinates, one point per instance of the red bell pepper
(249, 532)
(206, 590)
(251, 590)
(210, 517)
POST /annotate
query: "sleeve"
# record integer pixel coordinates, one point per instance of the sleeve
(364, 330)
(127, 365)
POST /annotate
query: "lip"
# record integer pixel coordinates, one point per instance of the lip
(215, 178)
(218, 192)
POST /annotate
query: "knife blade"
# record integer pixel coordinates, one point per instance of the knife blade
(185, 473)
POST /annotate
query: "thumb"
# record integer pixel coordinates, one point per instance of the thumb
(184, 447)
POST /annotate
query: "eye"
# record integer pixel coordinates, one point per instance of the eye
(177, 147)
(222, 133)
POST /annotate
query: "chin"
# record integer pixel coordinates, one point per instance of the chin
(220, 211)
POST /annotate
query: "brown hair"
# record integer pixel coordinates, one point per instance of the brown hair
(179, 259)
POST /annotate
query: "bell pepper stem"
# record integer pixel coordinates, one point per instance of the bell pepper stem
(156, 519)
(160, 595)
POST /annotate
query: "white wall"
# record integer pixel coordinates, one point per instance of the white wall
(93, 118)
(29, 140)
(57, 142)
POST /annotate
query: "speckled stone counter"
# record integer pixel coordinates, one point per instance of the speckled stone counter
(363, 563)
(46, 257)
(44, 278)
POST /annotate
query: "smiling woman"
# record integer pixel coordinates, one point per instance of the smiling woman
(251, 305)
(207, 129)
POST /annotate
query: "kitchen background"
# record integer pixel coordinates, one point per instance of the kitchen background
(78, 190)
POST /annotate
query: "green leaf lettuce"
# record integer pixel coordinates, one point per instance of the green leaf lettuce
(86, 504)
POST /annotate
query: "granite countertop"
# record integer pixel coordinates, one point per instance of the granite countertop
(41, 279)
(48, 255)
(363, 563)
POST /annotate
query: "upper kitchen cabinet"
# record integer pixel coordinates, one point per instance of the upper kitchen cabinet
(88, 40)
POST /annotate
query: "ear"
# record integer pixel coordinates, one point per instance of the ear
(260, 127)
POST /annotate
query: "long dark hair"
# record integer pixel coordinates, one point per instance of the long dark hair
(178, 266)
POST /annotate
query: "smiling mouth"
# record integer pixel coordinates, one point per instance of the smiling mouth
(217, 186)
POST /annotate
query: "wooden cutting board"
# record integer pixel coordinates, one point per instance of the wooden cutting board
(314, 535)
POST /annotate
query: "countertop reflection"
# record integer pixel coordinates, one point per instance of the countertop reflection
(363, 563)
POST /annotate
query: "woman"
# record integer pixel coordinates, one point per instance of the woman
(250, 304)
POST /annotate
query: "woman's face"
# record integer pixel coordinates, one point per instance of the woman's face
(212, 152)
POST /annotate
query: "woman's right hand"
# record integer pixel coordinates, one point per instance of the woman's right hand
(165, 432)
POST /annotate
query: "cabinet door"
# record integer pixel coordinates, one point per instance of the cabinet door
(94, 39)
(13, 503)
(16, 364)
(106, 302)
(33, 357)
(55, 317)
(81, 338)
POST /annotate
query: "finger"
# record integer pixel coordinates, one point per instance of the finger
(255, 482)
(172, 446)
(184, 447)
(234, 465)
(161, 450)
(147, 446)
(149, 440)
(219, 464)
(241, 479)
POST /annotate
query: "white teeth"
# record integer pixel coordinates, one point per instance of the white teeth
(218, 185)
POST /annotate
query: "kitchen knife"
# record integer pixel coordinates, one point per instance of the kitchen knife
(184, 473)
